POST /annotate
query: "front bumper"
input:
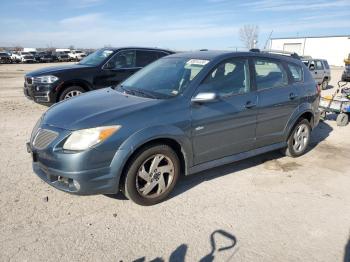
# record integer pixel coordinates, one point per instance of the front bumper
(40, 93)
(82, 173)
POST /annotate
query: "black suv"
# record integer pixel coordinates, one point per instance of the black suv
(103, 68)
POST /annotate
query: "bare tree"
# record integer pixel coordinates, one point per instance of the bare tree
(249, 35)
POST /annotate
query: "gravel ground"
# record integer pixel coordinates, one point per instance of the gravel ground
(268, 208)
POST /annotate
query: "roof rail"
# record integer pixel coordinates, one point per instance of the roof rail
(280, 52)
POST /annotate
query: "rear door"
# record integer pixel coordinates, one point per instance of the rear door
(227, 125)
(277, 100)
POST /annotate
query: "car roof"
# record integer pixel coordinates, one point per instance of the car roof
(139, 47)
(216, 54)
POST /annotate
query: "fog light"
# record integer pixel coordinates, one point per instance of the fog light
(76, 184)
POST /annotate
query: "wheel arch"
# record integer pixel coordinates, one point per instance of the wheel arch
(169, 135)
(75, 82)
(305, 113)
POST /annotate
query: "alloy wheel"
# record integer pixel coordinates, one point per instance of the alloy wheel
(155, 176)
(300, 138)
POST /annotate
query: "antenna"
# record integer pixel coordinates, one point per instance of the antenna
(268, 40)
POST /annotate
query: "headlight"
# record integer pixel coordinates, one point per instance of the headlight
(85, 138)
(46, 79)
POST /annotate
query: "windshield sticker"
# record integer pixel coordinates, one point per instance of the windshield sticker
(197, 62)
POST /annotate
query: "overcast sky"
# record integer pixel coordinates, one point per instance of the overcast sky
(178, 24)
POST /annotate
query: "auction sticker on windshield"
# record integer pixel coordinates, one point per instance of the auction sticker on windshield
(197, 62)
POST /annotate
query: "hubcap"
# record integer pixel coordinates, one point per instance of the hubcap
(154, 176)
(72, 94)
(300, 138)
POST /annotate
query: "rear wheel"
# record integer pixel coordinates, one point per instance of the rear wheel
(151, 175)
(324, 84)
(70, 92)
(299, 139)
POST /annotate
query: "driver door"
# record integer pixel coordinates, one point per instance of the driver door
(226, 125)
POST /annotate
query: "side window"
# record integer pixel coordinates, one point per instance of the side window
(325, 63)
(269, 74)
(319, 65)
(296, 71)
(124, 59)
(228, 78)
(161, 54)
(144, 58)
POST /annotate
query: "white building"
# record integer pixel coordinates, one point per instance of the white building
(333, 48)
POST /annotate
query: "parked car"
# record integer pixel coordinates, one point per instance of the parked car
(184, 113)
(320, 71)
(76, 55)
(105, 67)
(46, 57)
(60, 56)
(36, 56)
(15, 57)
(27, 57)
(5, 58)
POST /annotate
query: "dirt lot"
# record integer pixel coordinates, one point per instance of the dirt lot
(268, 208)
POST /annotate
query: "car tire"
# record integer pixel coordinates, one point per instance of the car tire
(324, 84)
(342, 119)
(70, 92)
(144, 183)
(299, 139)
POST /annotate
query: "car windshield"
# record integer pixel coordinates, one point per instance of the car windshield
(165, 78)
(97, 57)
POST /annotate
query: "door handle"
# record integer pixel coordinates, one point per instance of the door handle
(249, 105)
(292, 96)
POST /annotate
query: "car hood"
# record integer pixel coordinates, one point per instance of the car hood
(92, 109)
(57, 69)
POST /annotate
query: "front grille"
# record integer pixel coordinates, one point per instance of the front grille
(43, 138)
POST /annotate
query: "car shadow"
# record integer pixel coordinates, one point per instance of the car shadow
(328, 87)
(319, 134)
(216, 240)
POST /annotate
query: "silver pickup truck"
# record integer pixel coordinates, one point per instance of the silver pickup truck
(320, 71)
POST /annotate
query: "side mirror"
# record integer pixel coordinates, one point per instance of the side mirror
(204, 98)
(312, 67)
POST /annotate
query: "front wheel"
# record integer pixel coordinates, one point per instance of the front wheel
(299, 139)
(70, 92)
(151, 175)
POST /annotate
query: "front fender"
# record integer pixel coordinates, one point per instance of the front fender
(136, 140)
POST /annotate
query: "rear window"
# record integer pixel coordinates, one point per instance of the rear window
(296, 72)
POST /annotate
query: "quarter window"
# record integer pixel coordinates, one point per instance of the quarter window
(144, 58)
(228, 78)
(269, 74)
(297, 72)
(319, 65)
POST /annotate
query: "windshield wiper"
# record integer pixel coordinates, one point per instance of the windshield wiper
(144, 93)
